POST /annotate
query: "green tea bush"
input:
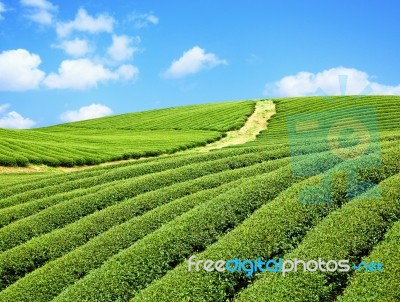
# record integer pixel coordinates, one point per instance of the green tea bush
(378, 286)
(151, 257)
(347, 233)
(13, 263)
(284, 220)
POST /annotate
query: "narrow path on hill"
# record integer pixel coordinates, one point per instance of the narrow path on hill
(257, 122)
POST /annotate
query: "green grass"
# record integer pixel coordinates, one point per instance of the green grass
(124, 232)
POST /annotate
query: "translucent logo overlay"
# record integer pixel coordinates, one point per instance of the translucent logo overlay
(349, 138)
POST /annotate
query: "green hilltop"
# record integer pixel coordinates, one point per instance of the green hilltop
(124, 136)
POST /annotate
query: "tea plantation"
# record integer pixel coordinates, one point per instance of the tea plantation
(323, 181)
(120, 137)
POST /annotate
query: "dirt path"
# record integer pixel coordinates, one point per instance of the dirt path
(256, 123)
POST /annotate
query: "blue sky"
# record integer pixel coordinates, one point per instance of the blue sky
(69, 60)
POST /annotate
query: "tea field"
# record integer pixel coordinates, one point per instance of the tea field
(323, 181)
(121, 137)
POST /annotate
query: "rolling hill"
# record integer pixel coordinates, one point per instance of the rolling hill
(321, 182)
(120, 137)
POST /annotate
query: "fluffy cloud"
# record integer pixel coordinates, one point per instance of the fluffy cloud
(40, 11)
(19, 70)
(85, 113)
(192, 61)
(328, 82)
(121, 48)
(85, 23)
(78, 74)
(75, 48)
(15, 120)
(143, 20)
(83, 74)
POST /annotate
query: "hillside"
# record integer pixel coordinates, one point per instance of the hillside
(321, 182)
(122, 137)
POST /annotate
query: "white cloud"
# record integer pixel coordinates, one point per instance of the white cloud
(327, 81)
(121, 48)
(16, 121)
(2, 10)
(75, 48)
(85, 113)
(86, 23)
(143, 20)
(83, 74)
(78, 74)
(40, 11)
(13, 119)
(192, 61)
(19, 70)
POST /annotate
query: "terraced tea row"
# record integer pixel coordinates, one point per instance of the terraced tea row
(68, 210)
(53, 246)
(105, 245)
(51, 184)
(215, 117)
